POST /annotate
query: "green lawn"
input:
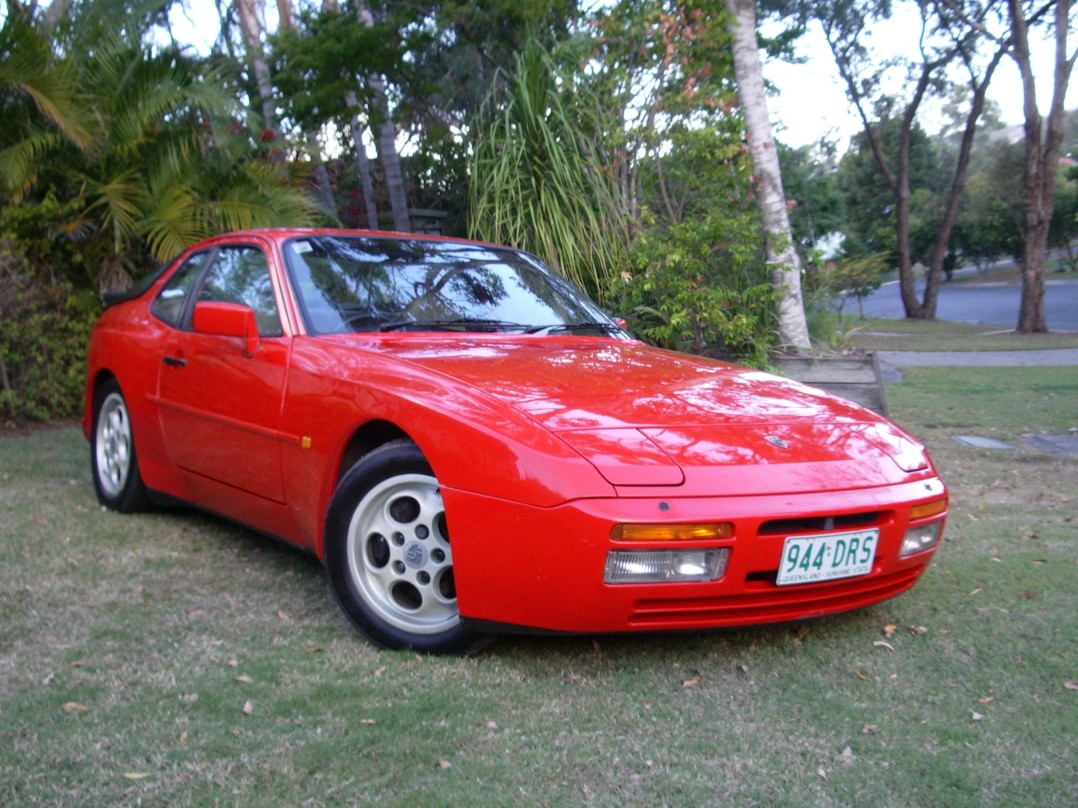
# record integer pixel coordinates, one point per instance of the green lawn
(174, 659)
(877, 334)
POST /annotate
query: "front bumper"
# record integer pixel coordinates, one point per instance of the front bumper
(541, 569)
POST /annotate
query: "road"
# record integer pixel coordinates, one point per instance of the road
(984, 303)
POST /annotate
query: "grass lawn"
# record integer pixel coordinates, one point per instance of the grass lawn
(1055, 270)
(175, 659)
(878, 334)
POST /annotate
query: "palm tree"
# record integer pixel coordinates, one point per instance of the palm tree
(161, 167)
(40, 107)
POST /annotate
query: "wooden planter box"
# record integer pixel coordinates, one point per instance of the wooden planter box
(856, 378)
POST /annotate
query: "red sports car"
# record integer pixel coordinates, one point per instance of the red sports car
(472, 447)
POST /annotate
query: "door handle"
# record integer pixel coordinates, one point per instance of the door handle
(174, 361)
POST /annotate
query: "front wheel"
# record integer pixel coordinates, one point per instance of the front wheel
(117, 480)
(388, 557)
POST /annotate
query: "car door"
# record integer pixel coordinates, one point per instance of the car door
(220, 404)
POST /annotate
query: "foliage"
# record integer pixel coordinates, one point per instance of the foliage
(468, 45)
(833, 283)
(696, 280)
(989, 224)
(869, 201)
(700, 286)
(537, 178)
(810, 179)
(1064, 227)
(161, 166)
(43, 332)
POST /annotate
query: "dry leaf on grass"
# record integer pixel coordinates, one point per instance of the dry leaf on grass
(444, 764)
(246, 680)
(693, 682)
(1071, 685)
(248, 707)
(889, 630)
(137, 775)
(74, 707)
(884, 644)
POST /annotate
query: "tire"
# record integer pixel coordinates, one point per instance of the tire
(387, 554)
(117, 480)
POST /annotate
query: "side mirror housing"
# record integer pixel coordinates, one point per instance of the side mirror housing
(228, 320)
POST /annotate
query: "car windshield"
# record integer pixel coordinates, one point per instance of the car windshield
(365, 283)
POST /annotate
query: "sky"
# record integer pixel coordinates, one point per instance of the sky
(811, 102)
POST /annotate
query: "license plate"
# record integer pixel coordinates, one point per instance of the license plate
(809, 559)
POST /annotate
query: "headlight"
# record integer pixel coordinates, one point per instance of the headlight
(664, 566)
(920, 538)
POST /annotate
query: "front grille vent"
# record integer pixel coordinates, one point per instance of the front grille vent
(819, 524)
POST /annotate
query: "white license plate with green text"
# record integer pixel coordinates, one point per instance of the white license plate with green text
(810, 559)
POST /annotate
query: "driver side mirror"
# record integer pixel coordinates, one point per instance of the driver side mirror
(228, 320)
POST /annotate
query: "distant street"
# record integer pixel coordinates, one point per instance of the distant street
(984, 303)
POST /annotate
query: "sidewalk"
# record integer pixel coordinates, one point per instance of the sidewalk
(1051, 356)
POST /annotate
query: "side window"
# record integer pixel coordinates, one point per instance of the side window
(241, 275)
(171, 300)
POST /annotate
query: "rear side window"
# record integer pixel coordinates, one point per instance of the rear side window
(172, 299)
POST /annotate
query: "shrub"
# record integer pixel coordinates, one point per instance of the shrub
(701, 287)
(44, 328)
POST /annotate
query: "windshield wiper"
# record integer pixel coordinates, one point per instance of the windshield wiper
(482, 324)
(605, 328)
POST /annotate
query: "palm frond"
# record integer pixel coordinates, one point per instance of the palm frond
(28, 67)
(21, 162)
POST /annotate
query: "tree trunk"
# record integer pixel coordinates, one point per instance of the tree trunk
(958, 184)
(782, 258)
(362, 163)
(321, 175)
(251, 12)
(1042, 148)
(356, 130)
(386, 138)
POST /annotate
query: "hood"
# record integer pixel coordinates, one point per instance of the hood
(572, 383)
(646, 417)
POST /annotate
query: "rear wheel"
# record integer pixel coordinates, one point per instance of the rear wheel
(117, 480)
(388, 557)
